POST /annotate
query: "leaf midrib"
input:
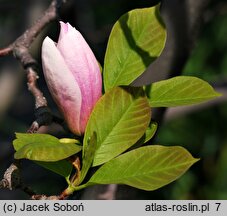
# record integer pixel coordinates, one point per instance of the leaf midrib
(146, 173)
(128, 55)
(185, 99)
(116, 124)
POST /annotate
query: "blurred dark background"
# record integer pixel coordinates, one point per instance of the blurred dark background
(196, 45)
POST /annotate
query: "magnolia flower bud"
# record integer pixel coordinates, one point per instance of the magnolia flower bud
(73, 76)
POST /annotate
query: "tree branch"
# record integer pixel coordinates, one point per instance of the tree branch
(6, 51)
(20, 49)
(11, 178)
(21, 45)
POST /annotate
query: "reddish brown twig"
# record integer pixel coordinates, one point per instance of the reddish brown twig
(44, 197)
(6, 51)
(32, 86)
(20, 46)
(12, 180)
(20, 49)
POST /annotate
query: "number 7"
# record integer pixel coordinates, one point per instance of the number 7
(218, 205)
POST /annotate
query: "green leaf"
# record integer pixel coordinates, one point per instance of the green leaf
(120, 119)
(42, 147)
(147, 168)
(63, 167)
(69, 140)
(136, 40)
(178, 91)
(89, 149)
(151, 130)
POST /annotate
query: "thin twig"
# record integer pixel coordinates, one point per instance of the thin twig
(20, 49)
(26, 39)
(44, 197)
(23, 43)
(11, 179)
(6, 51)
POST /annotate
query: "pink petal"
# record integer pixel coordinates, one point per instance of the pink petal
(64, 29)
(82, 63)
(62, 85)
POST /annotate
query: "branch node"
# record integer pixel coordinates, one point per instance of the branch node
(32, 77)
(34, 127)
(11, 179)
(21, 53)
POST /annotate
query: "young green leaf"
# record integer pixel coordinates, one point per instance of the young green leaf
(120, 118)
(136, 40)
(147, 168)
(62, 167)
(178, 91)
(151, 130)
(42, 147)
(69, 140)
(88, 155)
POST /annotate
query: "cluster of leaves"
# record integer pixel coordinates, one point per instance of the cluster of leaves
(121, 119)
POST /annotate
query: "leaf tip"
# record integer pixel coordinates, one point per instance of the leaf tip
(68, 141)
(16, 156)
(196, 160)
(217, 94)
(17, 135)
